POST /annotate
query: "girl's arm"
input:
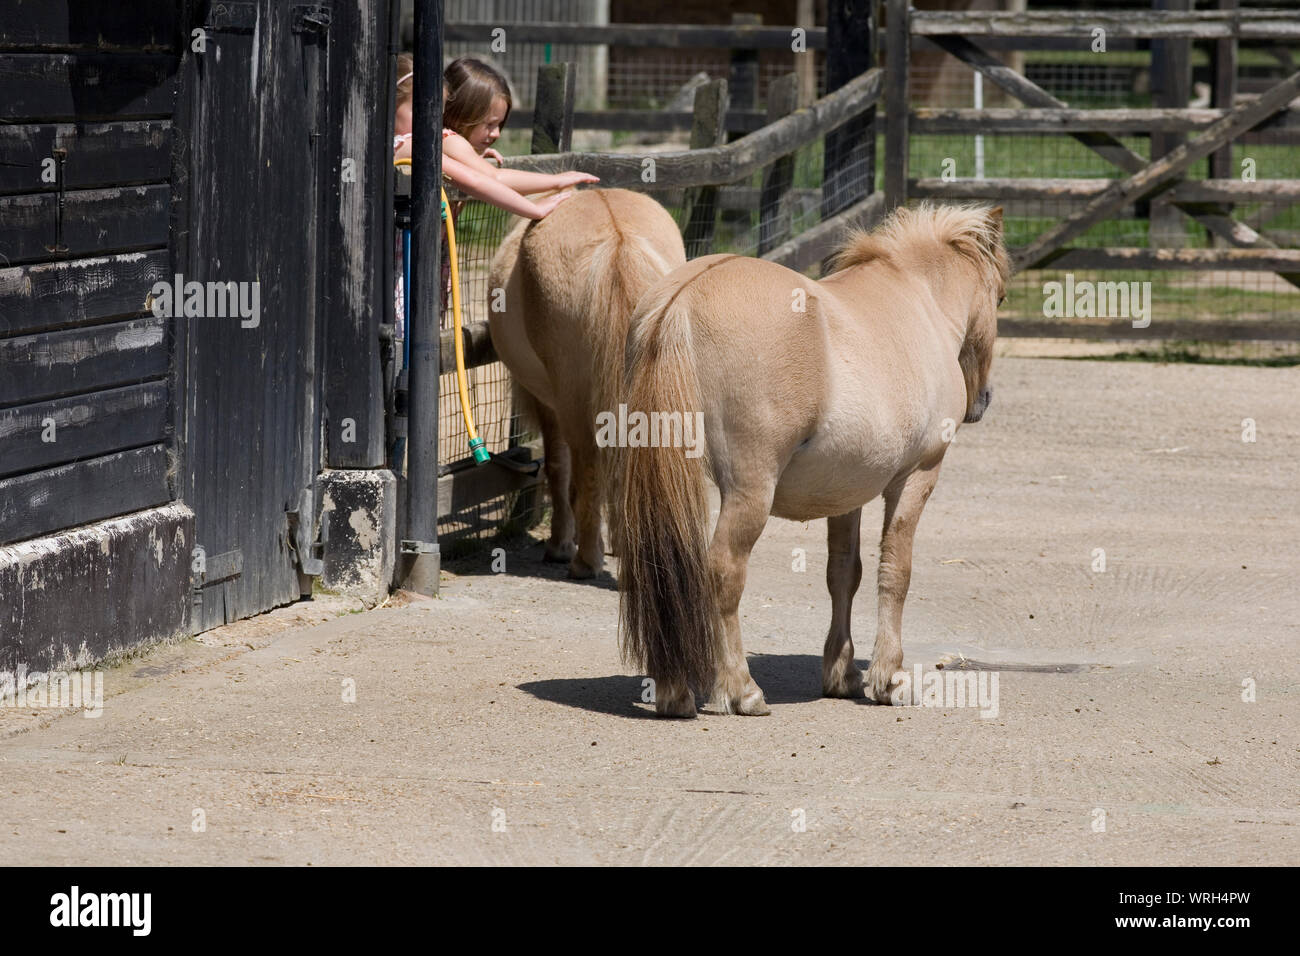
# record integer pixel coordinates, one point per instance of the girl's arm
(487, 189)
(519, 180)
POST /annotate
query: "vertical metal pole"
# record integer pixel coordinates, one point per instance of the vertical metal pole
(420, 556)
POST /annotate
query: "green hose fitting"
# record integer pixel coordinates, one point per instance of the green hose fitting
(481, 455)
(444, 210)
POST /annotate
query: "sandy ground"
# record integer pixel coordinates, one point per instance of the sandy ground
(496, 724)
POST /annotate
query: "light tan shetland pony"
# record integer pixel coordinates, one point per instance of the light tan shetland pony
(571, 284)
(817, 396)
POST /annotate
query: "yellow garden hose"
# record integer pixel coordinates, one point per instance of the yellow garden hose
(476, 444)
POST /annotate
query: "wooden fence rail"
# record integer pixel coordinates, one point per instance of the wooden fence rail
(1271, 25)
(720, 164)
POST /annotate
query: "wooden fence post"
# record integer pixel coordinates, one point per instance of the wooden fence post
(699, 205)
(1171, 80)
(774, 203)
(553, 108)
(898, 32)
(849, 153)
(1223, 64)
(744, 67)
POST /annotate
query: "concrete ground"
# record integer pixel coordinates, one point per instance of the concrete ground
(496, 724)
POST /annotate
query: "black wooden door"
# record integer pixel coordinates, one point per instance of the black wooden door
(252, 424)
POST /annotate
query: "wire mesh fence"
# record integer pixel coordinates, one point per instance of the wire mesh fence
(1120, 80)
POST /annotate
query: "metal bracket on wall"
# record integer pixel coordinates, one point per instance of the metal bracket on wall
(300, 536)
(218, 568)
(310, 16)
(232, 17)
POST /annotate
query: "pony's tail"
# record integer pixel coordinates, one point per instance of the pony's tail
(667, 607)
(620, 269)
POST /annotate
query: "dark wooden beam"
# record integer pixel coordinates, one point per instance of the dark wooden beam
(898, 30)
(849, 153)
(734, 37)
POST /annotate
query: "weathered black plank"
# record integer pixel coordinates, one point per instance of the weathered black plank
(84, 491)
(50, 25)
(98, 154)
(40, 87)
(44, 434)
(78, 291)
(360, 222)
(38, 367)
(94, 220)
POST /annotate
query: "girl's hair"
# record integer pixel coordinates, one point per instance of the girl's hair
(471, 86)
(405, 78)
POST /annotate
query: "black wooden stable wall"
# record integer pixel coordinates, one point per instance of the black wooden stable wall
(133, 149)
(87, 101)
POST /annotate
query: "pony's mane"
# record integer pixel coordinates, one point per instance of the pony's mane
(966, 228)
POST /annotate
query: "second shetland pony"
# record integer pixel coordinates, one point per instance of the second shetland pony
(816, 397)
(571, 282)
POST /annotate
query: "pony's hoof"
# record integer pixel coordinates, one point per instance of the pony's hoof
(580, 570)
(882, 682)
(753, 704)
(559, 553)
(846, 685)
(676, 705)
(750, 704)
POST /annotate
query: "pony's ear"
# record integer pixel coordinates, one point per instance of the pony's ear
(995, 217)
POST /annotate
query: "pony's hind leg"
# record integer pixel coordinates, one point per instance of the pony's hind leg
(560, 547)
(741, 519)
(904, 500)
(590, 557)
(840, 675)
